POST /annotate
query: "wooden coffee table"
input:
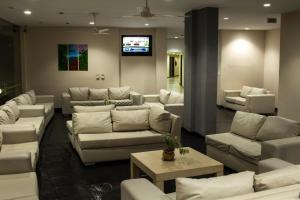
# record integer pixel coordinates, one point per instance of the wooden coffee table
(189, 165)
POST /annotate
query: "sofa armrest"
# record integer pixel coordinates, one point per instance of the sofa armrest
(140, 189)
(151, 98)
(176, 109)
(271, 164)
(285, 149)
(261, 103)
(15, 162)
(176, 126)
(44, 98)
(232, 93)
(14, 133)
(66, 103)
(31, 110)
(136, 98)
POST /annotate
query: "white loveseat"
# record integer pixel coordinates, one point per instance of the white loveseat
(113, 135)
(250, 99)
(84, 96)
(253, 138)
(172, 102)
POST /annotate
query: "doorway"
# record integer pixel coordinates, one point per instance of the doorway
(175, 72)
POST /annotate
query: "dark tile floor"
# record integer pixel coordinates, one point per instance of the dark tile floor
(62, 176)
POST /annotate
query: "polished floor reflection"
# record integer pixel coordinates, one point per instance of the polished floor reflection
(173, 85)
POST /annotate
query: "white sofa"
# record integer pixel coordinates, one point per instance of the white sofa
(172, 102)
(113, 135)
(84, 96)
(29, 101)
(250, 99)
(253, 138)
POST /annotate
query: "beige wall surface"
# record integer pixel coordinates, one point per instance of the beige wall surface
(289, 76)
(41, 61)
(271, 62)
(241, 60)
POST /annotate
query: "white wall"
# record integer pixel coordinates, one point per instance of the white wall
(289, 95)
(271, 62)
(175, 45)
(41, 61)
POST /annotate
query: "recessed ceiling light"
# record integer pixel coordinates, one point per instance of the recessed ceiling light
(92, 23)
(176, 37)
(27, 12)
(226, 18)
(247, 28)
(266, 5)
(147, 24)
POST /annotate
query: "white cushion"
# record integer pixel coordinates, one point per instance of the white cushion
(98, 94)
(96, 122)
(32, 95)
(237, 100)
(258, 91)
(4, 119)
(160, 120)
(277, 178)
(122, 102)
(20, 100)
(13, 105)
(28, 99)
(79, 93)
(164, 96)
(247, 124)
(175, 98)
(82, 109)
(214, 188)
(119, 93)
(10, 113)
(276, 127)
(133, 120)
(37, 122)
(245, 91)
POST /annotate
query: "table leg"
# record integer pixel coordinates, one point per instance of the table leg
(159, 184)
(135, 172)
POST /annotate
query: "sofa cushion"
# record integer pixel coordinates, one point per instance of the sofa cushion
(237, 100)
(245, 91)
(88, 103)
(164, 96)
(13, 105)
(10, 113)
(160, 120)
(32, 95)
(18, 186)
(118, 139)
(4, 119)
(214, 188)
(122, 102)
(175, 98)
(49, 107)
(69, 125)
(37, 122)
(133, 120)
(258, 91)
(277, 178)
(96, 122)
(138, 107)
(230, 99)
(85, 109)
(79, 93)
(119, 93)
(276, 127)
(28, 99)
(246, 149)
(157, 104)
(20, 100)
(98, 94)
(247, 124)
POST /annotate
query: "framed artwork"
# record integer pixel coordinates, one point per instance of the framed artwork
(73, 57)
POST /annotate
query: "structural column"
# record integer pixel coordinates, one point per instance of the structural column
(201, 69)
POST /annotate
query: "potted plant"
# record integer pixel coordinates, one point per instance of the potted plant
(172, 143)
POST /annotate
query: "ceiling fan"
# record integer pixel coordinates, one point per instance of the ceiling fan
(97, 30)
(145, 12)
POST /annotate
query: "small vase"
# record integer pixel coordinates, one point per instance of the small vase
(168, 155)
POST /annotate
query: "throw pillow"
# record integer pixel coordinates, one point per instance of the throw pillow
(98, 94)
(175, 98)
(28, 99)
(160, 120)
(247, 124)
(32, 95)
(85, 109)
(96, 122)
(277, 178)
(133, 120)
(4, 119)
(277, 127)
(245, 91)
(13, 105)
(20, 100)
(79, 93)
(258, 91)
(164, 96)
(119, 93)
(214, 188)
(10, 113)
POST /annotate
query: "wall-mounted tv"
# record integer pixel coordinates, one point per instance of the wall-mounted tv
(136, 45)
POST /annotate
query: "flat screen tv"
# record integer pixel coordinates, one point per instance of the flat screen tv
(136, 45)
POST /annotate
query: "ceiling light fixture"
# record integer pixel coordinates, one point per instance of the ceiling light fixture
(226, 18)
(27, 12)
(176, 37)
(247, 28)
(266, 5)
(147, 24)
(92, 23)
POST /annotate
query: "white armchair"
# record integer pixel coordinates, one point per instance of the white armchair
(250, 99)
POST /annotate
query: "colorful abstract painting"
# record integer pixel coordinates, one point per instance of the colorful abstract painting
(73, 57)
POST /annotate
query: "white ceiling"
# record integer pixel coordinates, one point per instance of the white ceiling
(242, 13)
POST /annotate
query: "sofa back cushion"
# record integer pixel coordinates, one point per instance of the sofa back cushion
(32, 95)
(119, 93)
(10, 113)
(160, 120)
(247, 124)
(14, 107)
(164, 96)
(175, 98)
(28, 99)
(4, 119)
(85, 109)
(96, 122)
(258, 91)
(133, 120)
(245, 91)
(79, 93)
(276, 127)
(98, 94)
(214, 188)
(21, 100)
(277, 178)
